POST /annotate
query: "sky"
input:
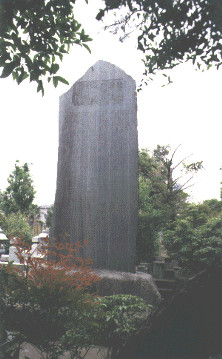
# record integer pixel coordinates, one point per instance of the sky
(186, 113)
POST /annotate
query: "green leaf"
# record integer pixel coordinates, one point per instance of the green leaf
(77, 26)
(54, 68)
(33, 76)
(8, 68)
(140, 46)
(28, 61)
(40, 87)
(15, 75)
(87, 38)
(61, 79)
(62, 49)
(55, 81)
(7, 43)
(87, 47)
(3, 58)
(22, 77)
(84, 37)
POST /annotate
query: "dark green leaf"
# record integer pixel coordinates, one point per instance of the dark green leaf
(61, 79)
(3, 58)
(8, 68)
(40, 86)
(87, 47)
(140, 46)
(55, 81)
(15, 75)
(77, 26)
(54, 68)
(22, 77)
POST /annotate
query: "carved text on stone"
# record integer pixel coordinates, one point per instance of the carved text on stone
(98, 92)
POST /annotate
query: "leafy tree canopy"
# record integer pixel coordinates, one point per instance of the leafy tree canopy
(150, 222)
(16, 225)
(34, 36)
(196, 236)
(20, 193)
(162, 196)
(172, 31)
(167, 186)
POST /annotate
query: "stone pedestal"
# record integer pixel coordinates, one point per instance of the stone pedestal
(139, 284)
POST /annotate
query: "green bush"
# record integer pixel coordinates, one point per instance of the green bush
(119, 317)
(196, 237)
(16, 225)
(49, 304)
(109, 323)
(47, 298)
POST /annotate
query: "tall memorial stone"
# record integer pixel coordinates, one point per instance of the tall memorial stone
(97, 177)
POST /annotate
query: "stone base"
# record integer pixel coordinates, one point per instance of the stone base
(139, 284)
(31, 352)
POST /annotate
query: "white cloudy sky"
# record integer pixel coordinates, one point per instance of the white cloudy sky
(187, 112)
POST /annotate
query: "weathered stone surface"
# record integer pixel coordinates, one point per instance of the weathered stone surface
(140, 284)
(97, 184)
(31, 352)
(12, 255)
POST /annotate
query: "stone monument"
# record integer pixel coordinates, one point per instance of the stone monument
(97, 175)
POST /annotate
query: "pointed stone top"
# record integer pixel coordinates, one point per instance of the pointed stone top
(104, 70)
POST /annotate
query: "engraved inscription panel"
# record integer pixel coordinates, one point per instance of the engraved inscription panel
(98, 92)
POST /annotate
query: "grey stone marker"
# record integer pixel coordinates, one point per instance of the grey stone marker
(97, 176)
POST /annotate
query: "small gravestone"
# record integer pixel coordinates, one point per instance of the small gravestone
(13, 253)
(97, 176)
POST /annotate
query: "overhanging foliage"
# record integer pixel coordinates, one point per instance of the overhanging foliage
(35, 34)
(172, 31)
